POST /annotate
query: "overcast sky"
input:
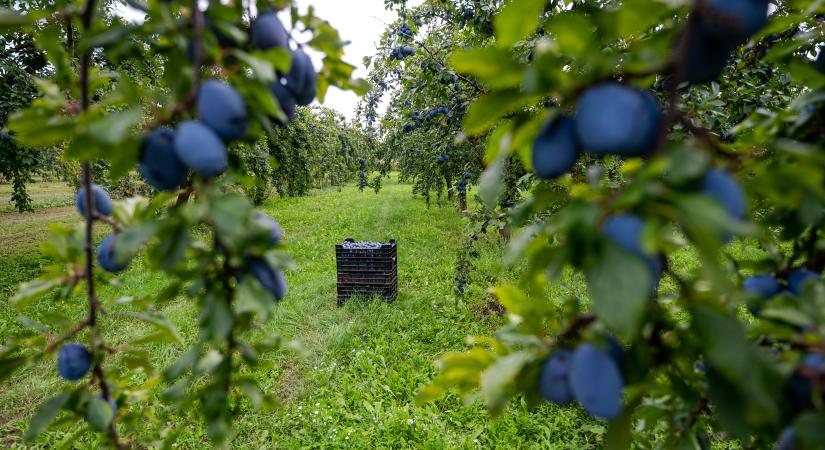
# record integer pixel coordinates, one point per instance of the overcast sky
(360, 21)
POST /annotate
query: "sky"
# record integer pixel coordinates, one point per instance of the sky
(359, 21)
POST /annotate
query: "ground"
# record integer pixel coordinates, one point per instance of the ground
(354, 384)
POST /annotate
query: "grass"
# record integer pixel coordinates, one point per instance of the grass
(44, 194)
(355, 386)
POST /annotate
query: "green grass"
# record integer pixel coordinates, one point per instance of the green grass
(44, 194)
(355, 386)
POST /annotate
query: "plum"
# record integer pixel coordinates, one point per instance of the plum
(616, 119)
(106, 256)
(798, 278)
(285, 99)
(301, 79)
(765, 286)
(596, 382)
(102, 201)
(725, 190)
(222, 109)
(159, 164)
(268, 32)
(554, 384)
(625, 230)
(74, 361)
(271, 279)
(787, 440)
(555, 149)
(200, 149)
(268, 223)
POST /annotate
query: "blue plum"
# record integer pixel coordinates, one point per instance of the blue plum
(106, 256)
(301, 79)
(765, 286)
(554, 382)
(555, 149)
(200, 149)
(596, 382)
(102, 201)
(625, 230)
(74, 361)
(616, 119)
(798, 278)
(159, 164)
(268, 223)
(733, 20)
(726, 191)
(271, 279)
(268, 32)
(222, 109)
(814, 361)
(787, 440)
(285, 99)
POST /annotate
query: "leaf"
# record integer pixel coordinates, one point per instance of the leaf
(498, 380)
(488, 109)
(517, 20)
(99, 414)
(10, 19)
(32, 290)
(261, 68)
(9, 365)
(45, 415)
(163, 324)
(490, 187)
(494, 67)
(620, 286)
(573, 33)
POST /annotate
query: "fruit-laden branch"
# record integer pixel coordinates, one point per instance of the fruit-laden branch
(90, 213)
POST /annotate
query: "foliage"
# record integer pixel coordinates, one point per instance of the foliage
(757, 120)
(109, 83)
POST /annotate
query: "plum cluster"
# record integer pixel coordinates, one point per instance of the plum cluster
(406, 32)
(718, 28)
(103, 207)
(437, 112)
(610, 119)
(362, 175)
(361, 245)
(589, 374)
(764, 287)
(441, 159)
(462, 187)
(402, 52)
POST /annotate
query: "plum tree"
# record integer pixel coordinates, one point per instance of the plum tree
(200, 149)
(615, 119)
(596, 382)
(555, 149)
(102, 201)
(108, 258)
(222, 109)
(268, 32)
(554, 381)
(159, 163)
(73, 361)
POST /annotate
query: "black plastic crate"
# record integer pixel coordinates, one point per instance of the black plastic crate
(367, 272)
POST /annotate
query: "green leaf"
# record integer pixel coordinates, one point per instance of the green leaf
(99, 414)
(517, 20)
(45, 415)
(9, 365)
(488, 109)
(621, 286)
(162, 323)
(495, 67)
(498, 380)
(10, 19)
(32, 290)
(490, 186)
(573, 33)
